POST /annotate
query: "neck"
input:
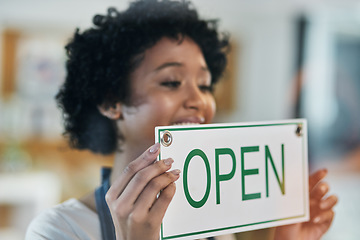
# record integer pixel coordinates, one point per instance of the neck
(122, 159)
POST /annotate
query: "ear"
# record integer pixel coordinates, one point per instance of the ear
(112, 112)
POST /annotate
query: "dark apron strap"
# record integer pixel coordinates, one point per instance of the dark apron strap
(106, 222)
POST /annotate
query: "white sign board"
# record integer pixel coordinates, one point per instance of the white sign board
(235, 177)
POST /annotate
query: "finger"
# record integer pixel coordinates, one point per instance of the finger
(149, 195)
(141, 179)
(328, 203)
(160, 206)
(316, 177)
(318, 205)
(319, 191)
(323, 217)
(144, 160)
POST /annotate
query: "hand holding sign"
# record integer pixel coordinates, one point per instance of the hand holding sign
(321, 212)
(137, 212)
(132, 199)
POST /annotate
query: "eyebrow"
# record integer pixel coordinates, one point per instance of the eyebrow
(168, 64)
(175, 64)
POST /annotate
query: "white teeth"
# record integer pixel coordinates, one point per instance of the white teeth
(185, 123)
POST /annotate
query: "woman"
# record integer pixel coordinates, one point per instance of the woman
(154, 64)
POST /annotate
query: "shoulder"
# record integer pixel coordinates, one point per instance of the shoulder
(68, 220)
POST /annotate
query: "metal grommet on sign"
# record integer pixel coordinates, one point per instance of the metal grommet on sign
(166, 139)
(299, 131)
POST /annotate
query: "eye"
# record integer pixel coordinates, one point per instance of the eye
(173, 84)
(207, 88)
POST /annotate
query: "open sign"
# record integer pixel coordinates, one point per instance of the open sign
(235, 177)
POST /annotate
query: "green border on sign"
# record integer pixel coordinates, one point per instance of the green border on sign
(226, 127)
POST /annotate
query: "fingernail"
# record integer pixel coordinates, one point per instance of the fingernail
(154, 148)
(316, 220)
(176, 171)
(168, 161)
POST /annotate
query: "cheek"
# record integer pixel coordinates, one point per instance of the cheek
(161, 109)
(211, 108)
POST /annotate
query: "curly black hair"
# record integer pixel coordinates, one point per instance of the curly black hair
(101, 59)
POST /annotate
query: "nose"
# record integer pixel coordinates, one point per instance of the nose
(195, 98)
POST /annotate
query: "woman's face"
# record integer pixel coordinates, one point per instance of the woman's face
(172, 85)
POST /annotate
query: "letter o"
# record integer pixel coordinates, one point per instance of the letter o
(192, 202)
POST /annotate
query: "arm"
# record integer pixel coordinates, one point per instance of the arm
(321, 212)
(135, 206)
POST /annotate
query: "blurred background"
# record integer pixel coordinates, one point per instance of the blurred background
(289, 59)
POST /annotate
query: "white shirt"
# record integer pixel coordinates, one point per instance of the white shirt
(68, 220)
(71, 220)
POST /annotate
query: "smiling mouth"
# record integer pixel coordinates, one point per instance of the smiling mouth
(189, 121)
(186, 123)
